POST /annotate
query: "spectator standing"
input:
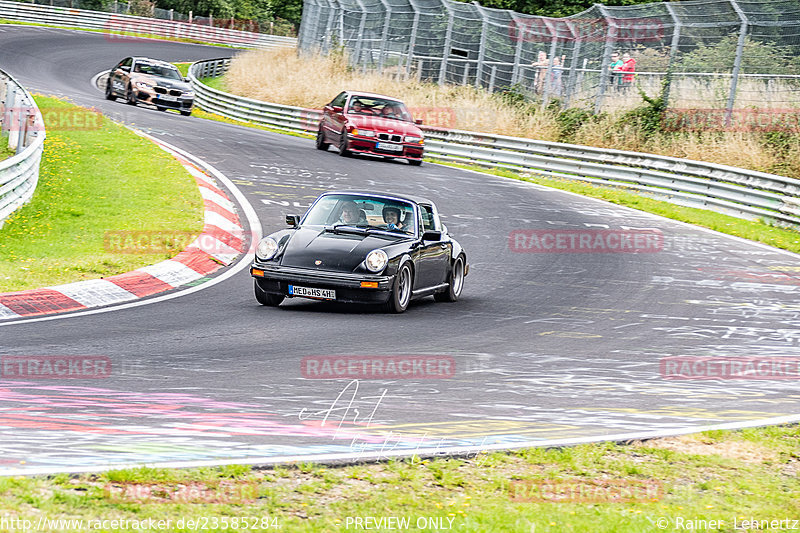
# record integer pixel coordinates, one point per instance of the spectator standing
(540, 74)
(555, 76)
(614, 68)
(628, 68)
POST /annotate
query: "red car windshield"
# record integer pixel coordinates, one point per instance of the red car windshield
(378, 107)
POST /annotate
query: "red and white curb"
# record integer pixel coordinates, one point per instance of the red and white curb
(223, 239)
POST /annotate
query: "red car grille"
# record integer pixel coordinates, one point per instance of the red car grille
(387, 137)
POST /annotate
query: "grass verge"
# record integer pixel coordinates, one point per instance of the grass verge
(726, 477)
(754, 230)
(97, 179)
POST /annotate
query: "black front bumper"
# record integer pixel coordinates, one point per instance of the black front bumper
(276, 279)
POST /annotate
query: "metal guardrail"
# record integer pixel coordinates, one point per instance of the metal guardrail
(734, 191)
(22, 128)
(119, 27)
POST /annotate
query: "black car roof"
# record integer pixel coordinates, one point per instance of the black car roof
(407, 197)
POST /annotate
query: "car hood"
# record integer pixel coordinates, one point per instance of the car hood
(341, 252)
(384, 125)
(169, 83)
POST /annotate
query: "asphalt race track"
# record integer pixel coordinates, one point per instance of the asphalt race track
(543, 347)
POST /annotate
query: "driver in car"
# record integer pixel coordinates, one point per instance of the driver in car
(350, 213)
(391, 215)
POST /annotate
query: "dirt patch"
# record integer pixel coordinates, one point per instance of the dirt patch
(739, 450)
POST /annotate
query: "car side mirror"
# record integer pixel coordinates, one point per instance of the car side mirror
(432, 236)
(186, 79)
(418, 121)
(293, 220)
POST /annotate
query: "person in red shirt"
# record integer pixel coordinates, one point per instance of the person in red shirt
(627, 69)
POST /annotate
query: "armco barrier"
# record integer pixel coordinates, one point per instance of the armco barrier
(23, 129)
(730, 190)
(120, 27)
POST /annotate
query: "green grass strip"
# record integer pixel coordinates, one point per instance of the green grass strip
(754, 230)
(721, 476)
(97, 178)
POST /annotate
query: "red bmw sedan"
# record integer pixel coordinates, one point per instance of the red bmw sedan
(373, 124)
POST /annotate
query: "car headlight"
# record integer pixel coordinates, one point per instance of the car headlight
(188, 94)
(266, 249)
(376, 260)
(413, 139)
(366, 133)
(143, 85)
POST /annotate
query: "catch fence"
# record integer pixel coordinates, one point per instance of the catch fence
(709, 55)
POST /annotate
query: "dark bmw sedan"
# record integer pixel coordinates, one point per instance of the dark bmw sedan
(361, 247)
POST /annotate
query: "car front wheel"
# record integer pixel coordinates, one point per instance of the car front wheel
(266, 298)
(130, 98)
(415, 162)
(401, 292)
(455, 284)
(343, 151)
(321, 144)
(109, 93)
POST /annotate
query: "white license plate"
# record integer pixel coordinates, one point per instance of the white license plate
(390, 147)
(169, 98)
(310, 292)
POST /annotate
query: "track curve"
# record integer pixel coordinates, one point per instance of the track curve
(547, 348)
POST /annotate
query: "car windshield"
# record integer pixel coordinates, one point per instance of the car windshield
(379, 107)
(363, 211)
(162, 71)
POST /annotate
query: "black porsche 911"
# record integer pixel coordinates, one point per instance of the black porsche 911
(361, 247)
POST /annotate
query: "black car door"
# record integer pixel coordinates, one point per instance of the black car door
(434, 255)
(117, 74)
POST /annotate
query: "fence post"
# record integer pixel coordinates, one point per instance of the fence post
(385, 36)
(492, 77)
(482, 49)
(413, 42)
(359, 39)
(611, 32)
(466, 73)
(548, 74)
(448, 36)
(673, 53)
(515, 73)
(573, 63)
(737, 64)
(329, 28)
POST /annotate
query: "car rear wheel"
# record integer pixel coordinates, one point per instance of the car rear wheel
(321, 144)
(130, 98)
(109, 93)
(161, 108)
(186, 113)
(401, 292)
(266, 298)
(455, 284)
(343, 151)
(415, 162)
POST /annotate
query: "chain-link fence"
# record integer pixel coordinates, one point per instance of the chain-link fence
(146, 8)
(724, 57)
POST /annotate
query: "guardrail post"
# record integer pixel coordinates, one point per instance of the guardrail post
(10, 116)
(23, 129)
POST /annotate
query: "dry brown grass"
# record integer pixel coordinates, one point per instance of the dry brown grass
(312, 81)
(695, 445)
